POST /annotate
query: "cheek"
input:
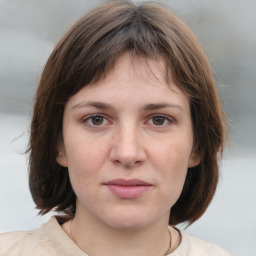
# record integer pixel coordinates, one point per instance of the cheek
(84, 166)
(85, 157)
(174, 155)
(85, 161)
(171, 162)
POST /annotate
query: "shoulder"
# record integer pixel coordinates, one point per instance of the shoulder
(23, 243)
(50, 239)
(192, 246)
(45, 240)
(207, 248)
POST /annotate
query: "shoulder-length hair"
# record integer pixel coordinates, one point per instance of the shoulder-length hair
(85, 53)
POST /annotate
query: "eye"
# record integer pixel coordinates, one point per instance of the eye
(159, 120)
(95, 120)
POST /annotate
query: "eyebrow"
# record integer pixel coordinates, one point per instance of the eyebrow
(95, 104)
(156, 106)
(106, 106)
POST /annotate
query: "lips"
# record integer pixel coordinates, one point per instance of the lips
(128, 189)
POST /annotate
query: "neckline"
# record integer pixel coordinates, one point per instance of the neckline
(67, 246)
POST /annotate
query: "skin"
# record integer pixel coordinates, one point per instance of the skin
(144, 132)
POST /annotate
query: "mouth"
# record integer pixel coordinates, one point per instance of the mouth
(128, 189)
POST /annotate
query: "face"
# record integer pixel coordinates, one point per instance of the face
(127, 143)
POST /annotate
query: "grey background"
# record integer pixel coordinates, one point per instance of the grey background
(29, 29)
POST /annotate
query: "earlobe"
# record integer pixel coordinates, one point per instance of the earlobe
(61, 158)
(194, 160)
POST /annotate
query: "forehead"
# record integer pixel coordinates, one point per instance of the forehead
(139, 69)
(133, 79)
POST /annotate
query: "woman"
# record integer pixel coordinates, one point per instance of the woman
(126, 130)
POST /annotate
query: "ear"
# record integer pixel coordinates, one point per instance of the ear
(61, 158)
(194, 159)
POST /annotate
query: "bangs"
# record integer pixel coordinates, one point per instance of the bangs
(95, 56)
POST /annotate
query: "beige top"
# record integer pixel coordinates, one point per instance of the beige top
(51, 240)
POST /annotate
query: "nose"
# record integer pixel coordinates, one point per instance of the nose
(127, 148)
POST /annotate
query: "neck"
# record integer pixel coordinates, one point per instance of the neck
(96, 238)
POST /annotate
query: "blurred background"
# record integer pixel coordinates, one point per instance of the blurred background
(29, 29)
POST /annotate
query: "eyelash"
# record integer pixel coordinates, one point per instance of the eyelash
(89, 122)
(89, 119)
(167, 120)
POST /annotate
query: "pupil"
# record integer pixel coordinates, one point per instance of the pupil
(158, 120)
(97, 120)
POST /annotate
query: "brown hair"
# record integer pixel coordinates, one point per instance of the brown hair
(83, 55)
